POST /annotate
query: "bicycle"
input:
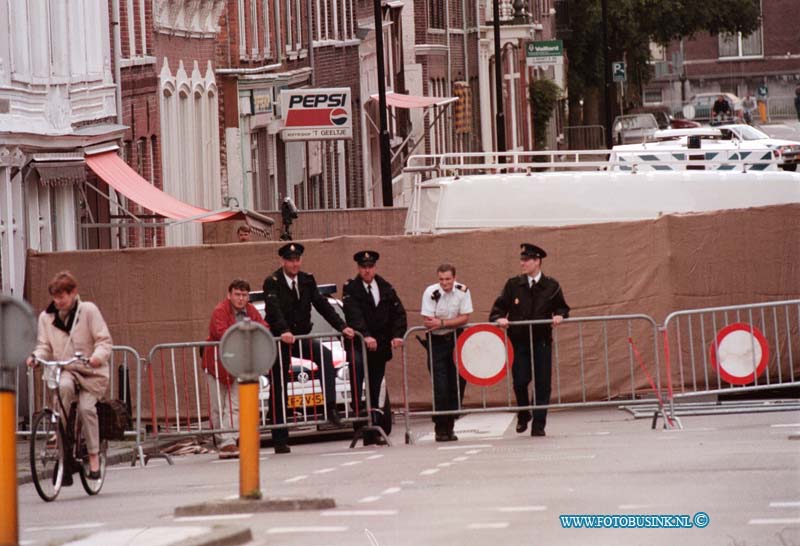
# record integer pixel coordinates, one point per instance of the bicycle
(58, 448)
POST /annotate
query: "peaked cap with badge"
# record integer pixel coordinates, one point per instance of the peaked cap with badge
(291, 250)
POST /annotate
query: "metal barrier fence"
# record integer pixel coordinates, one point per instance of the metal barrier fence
(603, 353)
(731, 350)
(181, 395)
(585, 137)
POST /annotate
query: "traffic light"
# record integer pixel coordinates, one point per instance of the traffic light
(462, 108)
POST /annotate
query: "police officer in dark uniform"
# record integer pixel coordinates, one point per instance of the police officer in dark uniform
(372, 307)
(531, 296)
(289, 294)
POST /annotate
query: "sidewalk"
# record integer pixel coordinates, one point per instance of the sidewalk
(118, 453)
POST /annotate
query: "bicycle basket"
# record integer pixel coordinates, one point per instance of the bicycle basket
(113, 419)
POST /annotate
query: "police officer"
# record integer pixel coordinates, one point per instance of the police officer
(372, 307)
(531, 296)
(446, 306)
(289, 294)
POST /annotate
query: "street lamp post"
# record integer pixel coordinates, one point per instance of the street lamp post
(386, 158)
(500, 118)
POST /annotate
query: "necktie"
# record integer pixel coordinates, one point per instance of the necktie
(371, 295)
(294, 290)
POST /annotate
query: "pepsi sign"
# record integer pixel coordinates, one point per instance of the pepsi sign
(317, 114)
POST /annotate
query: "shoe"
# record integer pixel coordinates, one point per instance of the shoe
(333, 417)
(442, 437)
(94, 475)
(66, 480)
(281, 449)
(522, 422)
(229, 451)
(537, 431)
(380, 440)
(451, 437)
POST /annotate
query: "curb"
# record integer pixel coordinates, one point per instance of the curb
(220, 536)
(118, 456)
(245, 506)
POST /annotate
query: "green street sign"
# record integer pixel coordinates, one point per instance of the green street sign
(544, 53)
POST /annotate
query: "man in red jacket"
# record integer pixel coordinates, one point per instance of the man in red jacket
(222, 387)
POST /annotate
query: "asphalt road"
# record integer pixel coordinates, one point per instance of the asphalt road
(492, 486)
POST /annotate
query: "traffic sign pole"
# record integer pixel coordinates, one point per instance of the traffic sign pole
(17, 340)
(249, 441)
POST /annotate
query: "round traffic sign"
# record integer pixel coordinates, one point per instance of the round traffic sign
(484, 354)
(740, 353)
(17, 332)
(247, 350)
(689, 111)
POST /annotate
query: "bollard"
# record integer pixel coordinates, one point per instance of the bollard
(9, 531)
(249, 441)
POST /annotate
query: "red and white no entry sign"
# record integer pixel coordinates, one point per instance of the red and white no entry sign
(740, 353)
(484, 355)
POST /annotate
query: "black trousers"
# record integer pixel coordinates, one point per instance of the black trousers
(448, 385)
(376, 367)
(542, 371)
(308, 349)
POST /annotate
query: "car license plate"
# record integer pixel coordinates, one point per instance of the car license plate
(310, 399)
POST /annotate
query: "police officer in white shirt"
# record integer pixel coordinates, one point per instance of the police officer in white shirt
(446, 306)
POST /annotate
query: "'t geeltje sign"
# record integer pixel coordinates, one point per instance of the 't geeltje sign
(317, 114)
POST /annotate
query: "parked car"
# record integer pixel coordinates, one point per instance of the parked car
(633, 128)
(702, 103)
(304, 392)
(787, 150)
(664, 117)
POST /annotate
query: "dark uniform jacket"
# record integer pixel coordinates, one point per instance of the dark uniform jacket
(518, 302)
(285, 313)
(384, 322)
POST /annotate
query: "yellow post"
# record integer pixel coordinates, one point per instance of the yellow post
(9, 530)
(249, 441)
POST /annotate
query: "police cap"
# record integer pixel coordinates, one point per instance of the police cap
(366, 257)
(527, 250)
(291, 250)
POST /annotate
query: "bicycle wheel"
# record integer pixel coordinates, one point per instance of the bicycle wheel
(47, 455)
(91, 486)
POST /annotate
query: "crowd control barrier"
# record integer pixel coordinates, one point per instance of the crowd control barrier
(180, 394)
(596, 361)
(731, 350)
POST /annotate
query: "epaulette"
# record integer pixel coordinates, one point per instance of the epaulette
(274, 278)
(462, 287)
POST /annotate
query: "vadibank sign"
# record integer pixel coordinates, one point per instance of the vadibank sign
(317, 114)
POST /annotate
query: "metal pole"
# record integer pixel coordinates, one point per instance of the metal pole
(607, 83)
(9, 519)
(386, 159)
(249, 441)
(500, 117)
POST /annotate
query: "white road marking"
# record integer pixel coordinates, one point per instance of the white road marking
(443, 465)
(351, 463)
(324, 470)
(224, 461)
(337, 513)
(87, 525)
(464, 446)
(348, 453)
(495, 525)
(309, 529)
(26, 542)
(534, 508)
(782, 425)
(473, 451)
(212, 517)
(368, 499)
(785, 504)
(460, 459)
(152, 536)
(774, 521)
(595, 433)
(373, 457)
(429, 472)
(295, 479)
(391, 491)
(633, 506)
(231, 497)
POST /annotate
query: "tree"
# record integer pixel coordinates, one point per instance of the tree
(544, 97)
(633, 25)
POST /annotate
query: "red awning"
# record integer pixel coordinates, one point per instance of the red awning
(114, 171)
(398, 100)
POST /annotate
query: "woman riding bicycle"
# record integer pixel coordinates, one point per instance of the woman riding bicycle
(70, 326)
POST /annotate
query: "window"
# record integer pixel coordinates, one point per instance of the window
(653, 96)
(736, 45)
(436, 11)
(333, 20)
